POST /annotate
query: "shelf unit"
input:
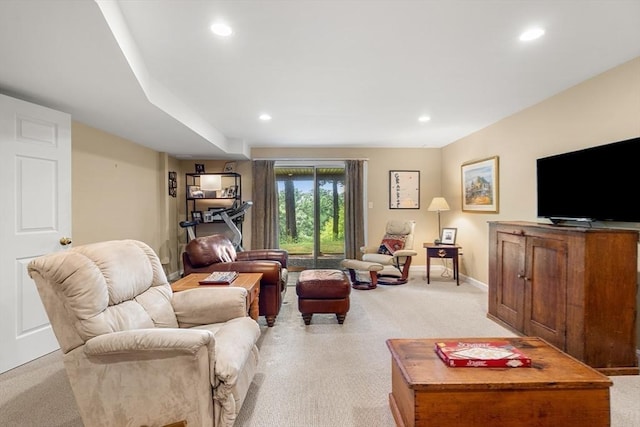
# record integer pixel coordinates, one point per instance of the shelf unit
(198, 200)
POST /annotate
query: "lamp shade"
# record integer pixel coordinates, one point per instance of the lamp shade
(210, 182)
(438, 204)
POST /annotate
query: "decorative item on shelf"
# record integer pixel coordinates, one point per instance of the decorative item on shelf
(448, 236)
(207, 216)
(199, 168)
(230, 167)
(173, 183)
(438, 204)
(209, 184)
(194, 192)
(196, 216)
(480, 185)
(232, 191)
(404, 189)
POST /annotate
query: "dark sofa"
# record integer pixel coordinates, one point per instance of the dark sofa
(217, 253)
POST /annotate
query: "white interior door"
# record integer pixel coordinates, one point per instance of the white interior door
(35, 184)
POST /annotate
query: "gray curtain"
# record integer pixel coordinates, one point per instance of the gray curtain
(353, 208)
(264, 220)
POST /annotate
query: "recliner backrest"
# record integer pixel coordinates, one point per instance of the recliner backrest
(207, 250)
(403, 228)
(102, 288)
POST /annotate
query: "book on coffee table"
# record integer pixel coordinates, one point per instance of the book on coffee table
(219, 278)
(492, 354)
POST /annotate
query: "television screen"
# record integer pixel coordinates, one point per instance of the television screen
(595, 184)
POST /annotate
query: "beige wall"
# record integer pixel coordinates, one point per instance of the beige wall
(119, 191)
(600, 110)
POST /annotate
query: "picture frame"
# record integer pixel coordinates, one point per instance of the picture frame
(404, 189)
(207, 216)
(448, 236)
(200, 168)
(173, 184)
(480, 185)
(232, 191)
(196, 216)
(229, 167)
(194, 192)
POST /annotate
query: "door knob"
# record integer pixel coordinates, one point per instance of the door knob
(64, 241)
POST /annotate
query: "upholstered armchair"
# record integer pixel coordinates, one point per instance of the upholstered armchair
(394, 252)
(217, 253)
(135, 352)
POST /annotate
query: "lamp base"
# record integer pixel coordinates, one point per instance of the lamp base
(436, 241)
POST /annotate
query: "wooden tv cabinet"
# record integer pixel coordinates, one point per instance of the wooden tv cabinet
(574, 287)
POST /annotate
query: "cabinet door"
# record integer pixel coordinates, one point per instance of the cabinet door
(545, 290)
(510, 271)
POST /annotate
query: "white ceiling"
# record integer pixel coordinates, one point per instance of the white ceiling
(332, 73)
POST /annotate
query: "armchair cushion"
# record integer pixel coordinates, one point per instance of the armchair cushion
(198, 306)
(392, 243)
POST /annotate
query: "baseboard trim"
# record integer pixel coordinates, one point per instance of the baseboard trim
(417, 270)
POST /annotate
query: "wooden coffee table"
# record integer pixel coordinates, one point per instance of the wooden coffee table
(557, 390)
(249, 281)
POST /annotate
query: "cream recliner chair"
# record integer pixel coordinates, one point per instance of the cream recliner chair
(135, 352)
(394, 252)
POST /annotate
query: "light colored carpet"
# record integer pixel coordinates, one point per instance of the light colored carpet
(321, 375)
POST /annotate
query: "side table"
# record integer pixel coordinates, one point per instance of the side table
(443, 251)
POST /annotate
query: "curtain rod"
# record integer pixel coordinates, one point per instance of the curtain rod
(288, 159)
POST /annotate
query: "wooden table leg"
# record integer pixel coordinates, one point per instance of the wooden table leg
(456, 273)
(254, 307)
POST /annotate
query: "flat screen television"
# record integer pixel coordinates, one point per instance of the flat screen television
(594, 184)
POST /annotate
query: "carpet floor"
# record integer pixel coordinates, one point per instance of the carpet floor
(321, 375)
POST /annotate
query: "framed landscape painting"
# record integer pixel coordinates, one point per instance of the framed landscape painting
(480, 185)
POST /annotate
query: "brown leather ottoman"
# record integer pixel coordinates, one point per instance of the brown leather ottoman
(323, 291)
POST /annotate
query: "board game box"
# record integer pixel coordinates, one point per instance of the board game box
(496, 354)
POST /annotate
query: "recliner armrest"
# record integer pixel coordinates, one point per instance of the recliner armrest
(202, 306)
(404, 252)
(369, 249)
(280, 255)
(149, 341)
(271, 270)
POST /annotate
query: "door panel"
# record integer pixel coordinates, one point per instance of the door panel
(511, 251)
(545, 291)
(35, 178)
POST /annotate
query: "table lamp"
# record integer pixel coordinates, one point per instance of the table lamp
(438, 204)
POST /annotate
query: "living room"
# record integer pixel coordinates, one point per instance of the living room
(119, 187)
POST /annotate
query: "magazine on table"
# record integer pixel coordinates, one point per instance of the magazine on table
(220, 278)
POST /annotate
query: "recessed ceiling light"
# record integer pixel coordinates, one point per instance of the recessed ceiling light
(423, 119)
(532, 34)
(265, 117)
(221, 29)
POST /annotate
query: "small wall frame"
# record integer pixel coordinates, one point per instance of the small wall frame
(404, 189)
